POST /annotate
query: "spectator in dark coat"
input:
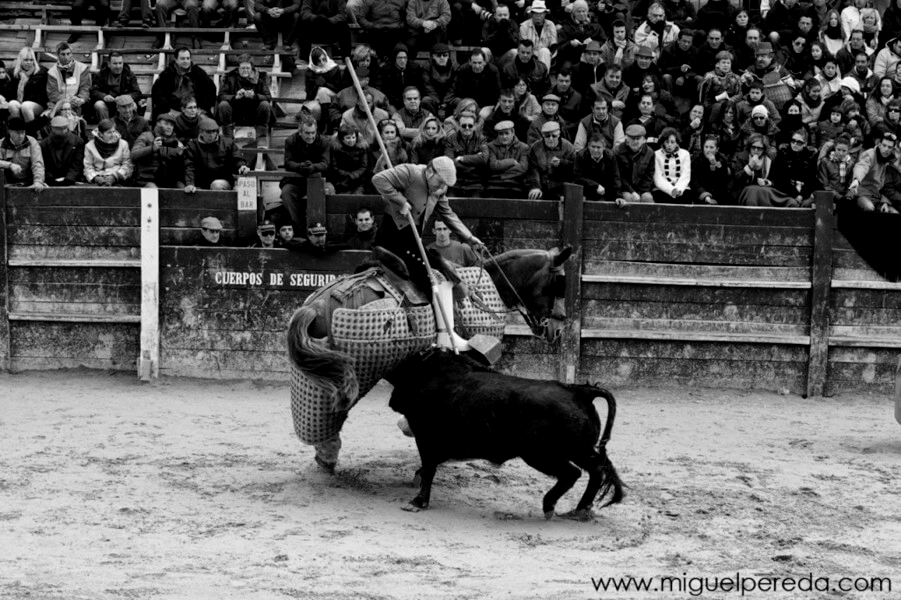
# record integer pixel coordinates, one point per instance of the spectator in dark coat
(467, 148)
(526, 66)
(182, 78)
(438, 80)
(29, 80)
(63, 154)
(597, 172)
(323, 20)
(244, 97)
(211, 161)
(500, 34)
(427, 22)
(158, 156)
(478, 80)
(636, 166)
(307, 154)
(575, 33)
(114, 79)
(128, 123)
(711, 174)
(384, 22)
(400, 72)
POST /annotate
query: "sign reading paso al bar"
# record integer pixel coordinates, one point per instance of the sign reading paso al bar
(268, 279)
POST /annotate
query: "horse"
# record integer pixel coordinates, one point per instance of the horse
(530, 281)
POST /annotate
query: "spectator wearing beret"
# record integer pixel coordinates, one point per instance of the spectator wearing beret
(550, 107)
(211, 161)
(128, 123)
(20, 157)
(636, 166)
(63, 154)
(508, 163)
(550, 163)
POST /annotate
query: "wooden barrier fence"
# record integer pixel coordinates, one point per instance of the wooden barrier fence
(695, 295)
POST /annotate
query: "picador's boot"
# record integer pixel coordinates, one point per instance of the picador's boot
(443, 303)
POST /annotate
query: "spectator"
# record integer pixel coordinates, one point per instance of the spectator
(721, 83)
(891, 20)
(347, 97)
(834, 171)
(716, 15)
(681, 12)
(316, 242)
(508, 163)
(466, 105)
(614, 90)
(187, 121)
(869, 175)
(107, 159)
(357, 116)
(478, 80)
(851, 16)
(571, 102)
(429, 143)
(128, 123)
(751, 168)
(500, 34)
(525, 102)
(323, 81)
(805, 29)
(550, 163)
(411, 116)
(427, 22)
(244, 98)
(724, 125)
(307, 155)
(760, 124)
(77, 124)
(602, 123)
(550, 106)
(505, 110)
(124, 18)
(210, 232)
(452, 250)
(285, 237)
(102, 11)
(384, 22)
(797, 59)
(710, 174)
(656, 33)
(63, 155)
(693, 134)
(830, 129)
(114, 79)
(211, 161)
(888, 58)
(158, 156)
(349, 167)
(649, 120)
(438, 80)
(618, 50)
(596, 171)
(364, 231)
(846, 56)
(273, 17)
(829, 78)
(575, 34)
(811, 103)
(745, 56)
(672, 170)
(526, 66)
(394, 144)
(541, 32)
(677, 63)
(20, 157)
(192, 20)
(831, 33)
(7, 93)
(778, 84)
(643, 65)
(892, 121)
(794, 171)
(635, 161)
(709, 52)
(665, 107)
(753, 98)
(862, 73)
(589, 72)
(467, 148)
(68, 79)
(882, 95)
(179, 80)
(265, 235)
(781, 19)
(737, 34)
(323, 20)
(398, 75)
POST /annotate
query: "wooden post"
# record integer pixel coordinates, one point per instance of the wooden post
(315, 203)
(571, 344)
(5, 358)
(898, 392)
(821, 282)
(149, 358)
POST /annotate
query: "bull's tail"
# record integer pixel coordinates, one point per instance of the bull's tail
(610, 481)
(333, 370)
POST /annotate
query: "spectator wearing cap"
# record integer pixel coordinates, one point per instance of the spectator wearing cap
(760, 124)
(158, 156)
(677, 63)
(500, 34)
(656, 33)
(244, 98)
(778, 84)
(427, 22)
(411, 115)
(508, 163)
(211, 161)
(129, 124)
(635, 161)
(181, 79)
(550, 106)
(438, 80)
(316, 242)
(68, 80)
(602, 123)
(477, 79)
(114, 79)
(595, 169)
(265, 235)
(107, 158)
(550, 163)
(575, 33)
(63, 154)
(323, 20)
(306, 155)
(644, 65)
(414, 193)
(869, 175)
(619, 50)
(467, 147)
(541, 31)
(210, 232)
(525, 65)
(590, 72)
(20, 157)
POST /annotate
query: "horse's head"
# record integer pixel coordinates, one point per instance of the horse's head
(534, 282)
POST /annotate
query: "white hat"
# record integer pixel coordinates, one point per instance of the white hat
(851, 83)
(538, 6)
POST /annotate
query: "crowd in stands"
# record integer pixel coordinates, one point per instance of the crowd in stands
(761, 103)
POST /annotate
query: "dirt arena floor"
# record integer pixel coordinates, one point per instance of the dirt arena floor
(112, 489)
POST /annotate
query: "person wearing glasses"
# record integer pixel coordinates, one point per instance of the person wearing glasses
(551, 161)
(467, 148)
(760, 124)
(656, 33)
(869, 175)
(778, 84)
(892, 121)
(752, 183)
(187, 121)
(795, 169)
(265, 235)
(438, 79)
(244, 98)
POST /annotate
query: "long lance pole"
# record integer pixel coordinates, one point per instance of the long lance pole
(422, 253)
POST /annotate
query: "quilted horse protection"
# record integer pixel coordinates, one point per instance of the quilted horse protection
(379, 333)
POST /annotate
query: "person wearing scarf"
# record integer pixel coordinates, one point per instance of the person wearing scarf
(710, 174)
(63, 154)
(244, 98)
(107, 159)
(830, 79)
(869, 175)
(831, 33)
(68, 80)
(811, 103)
(834, 170)
(752, 185)
(879, 100)
(182, 78)
(28, 87)
(672, 170)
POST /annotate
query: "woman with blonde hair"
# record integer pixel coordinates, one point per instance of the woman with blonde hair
(30, 84)
(429, 143)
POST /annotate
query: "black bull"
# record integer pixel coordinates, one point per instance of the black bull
(458, 409)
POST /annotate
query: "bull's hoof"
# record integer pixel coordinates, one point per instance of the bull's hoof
(416, 504)
(411, 508)
(549, 515)
(583, 515)
(327, 466)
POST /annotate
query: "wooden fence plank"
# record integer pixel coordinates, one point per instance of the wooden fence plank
(673, 213)
(648, 250)
(691, 272)
(699, 233)
(821, 276)
(149, 355)
(24, 253)
(722, 298)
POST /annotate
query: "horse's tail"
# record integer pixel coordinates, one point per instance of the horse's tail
(332, 369)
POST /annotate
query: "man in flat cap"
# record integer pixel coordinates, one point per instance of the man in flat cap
(114, 79)
(128, 123)
(550, 163)
(20, 157)
(210, 232)
(550, 108)
(644, 65)
(63, 154)
(508, 163)
(212, 161)
(635, 161)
